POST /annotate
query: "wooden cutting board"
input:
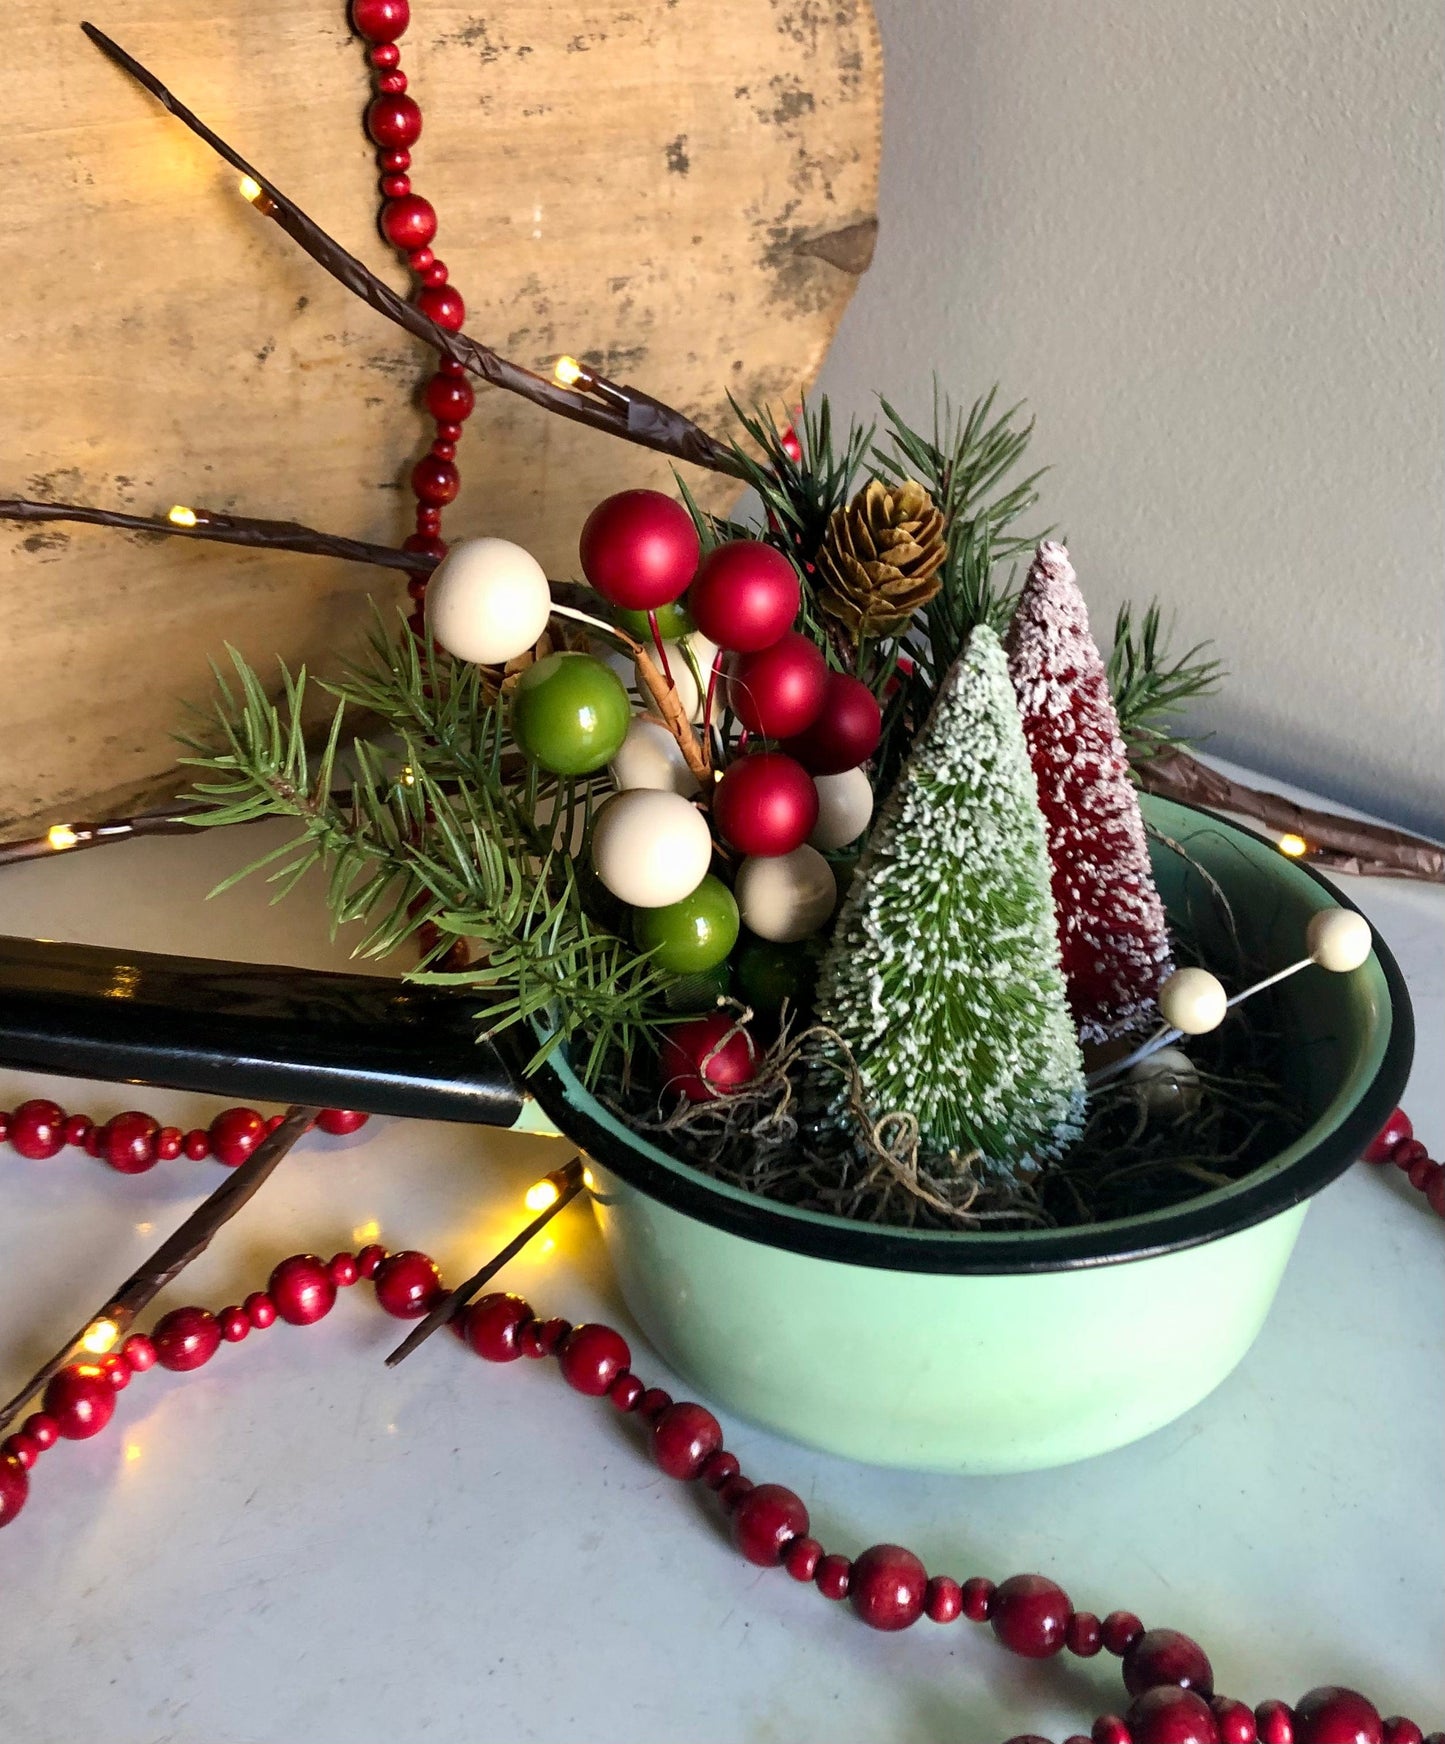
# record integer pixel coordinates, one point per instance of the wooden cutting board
(680, 191)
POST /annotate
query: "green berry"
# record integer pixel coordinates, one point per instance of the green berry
(570, 713)
(673, 623)
(698, 992)
(768, 974)
(693, 935)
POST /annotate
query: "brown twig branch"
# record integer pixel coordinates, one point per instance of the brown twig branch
(173, 1255)
(568, 1181)
(1339, 844)
(227, 530)
(644, 420)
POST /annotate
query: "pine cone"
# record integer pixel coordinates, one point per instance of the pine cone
(880, 558)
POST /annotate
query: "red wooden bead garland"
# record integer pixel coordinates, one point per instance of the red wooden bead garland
(1170, 1715)
(186, 1338)
(766, 1521)
(1333, 1715)
(684, 1438)
(80, 1399)
(1164, 1656)
(591, 1359)
(408, 1284)
(302, 1289)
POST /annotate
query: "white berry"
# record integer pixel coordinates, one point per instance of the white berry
(1168, 1082)
(1192, 1000)
(845, 804)
(650, 757)
(487, 601)
(650, 848)
(784, 897)
(1338, 939)
(688, 694)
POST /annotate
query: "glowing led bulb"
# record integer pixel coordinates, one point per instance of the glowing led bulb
(1293, 845)
(542, 1194)
(100, 1336)
(60, 837)
(251, 189)
(567, 371)
(181, 516)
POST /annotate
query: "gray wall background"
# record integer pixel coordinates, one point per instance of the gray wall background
(1203, 239)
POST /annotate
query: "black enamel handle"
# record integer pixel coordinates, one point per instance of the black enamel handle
(251, 1030)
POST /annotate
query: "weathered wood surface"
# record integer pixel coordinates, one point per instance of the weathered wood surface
(680, 191)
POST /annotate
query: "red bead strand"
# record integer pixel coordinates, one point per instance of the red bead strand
(1168, 1674)
(409, 223)
(134, 1142)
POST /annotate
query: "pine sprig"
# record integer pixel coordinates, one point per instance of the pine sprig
(1150, 687)
(434, 832)
(800, 495)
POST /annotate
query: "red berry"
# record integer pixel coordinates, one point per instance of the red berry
(37, 1129)
(779, 691)
(234, 1135)
(695, 1059)
(684, 1438)
(302, 1289)
(846, 730)
(888, 1587)
(766, 1521)
(491, 1326)
(592, 1357)
(81, 1400)
(408, 1284)
(186, 1338)
(339, 1121)
(1164, 1656)
(765, 804)
(1332, 1715)
(1030, 1615)
(128, 1142)
(639, 549)
(745, 595)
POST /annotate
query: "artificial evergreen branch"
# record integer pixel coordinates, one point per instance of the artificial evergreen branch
(1150, 687)
(438, 832)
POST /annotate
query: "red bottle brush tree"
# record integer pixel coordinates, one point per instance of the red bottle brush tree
(1112, 936)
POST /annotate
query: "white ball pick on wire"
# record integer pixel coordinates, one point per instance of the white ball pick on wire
(488, 601)
(1193, 1001)
(650, 848)
(649, 757)
(845, 804)
(1338, 939)
(1168, 1081)
(785, 897)
(689, 694)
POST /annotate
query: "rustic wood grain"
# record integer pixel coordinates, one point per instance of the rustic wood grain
(681, 193)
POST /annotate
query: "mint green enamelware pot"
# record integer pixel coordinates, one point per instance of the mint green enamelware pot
(980, 1352)
(966, 1352)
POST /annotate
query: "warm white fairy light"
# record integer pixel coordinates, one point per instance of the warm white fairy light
(251, 189)
(60, 837)
(1292, 845)
(542, 1195)
(180, 516)
(100, 1336)
(567, 372)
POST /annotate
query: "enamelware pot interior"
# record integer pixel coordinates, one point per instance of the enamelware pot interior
(1348, 1041)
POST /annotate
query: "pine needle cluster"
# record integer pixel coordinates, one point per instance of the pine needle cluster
(439, 825)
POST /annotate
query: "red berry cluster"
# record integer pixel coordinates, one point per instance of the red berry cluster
(1397, 1144)
(1168, 1675)
(409, 224)
(134, 1141)
(640, 551)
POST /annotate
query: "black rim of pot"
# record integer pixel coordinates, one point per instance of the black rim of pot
(963, 1253)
